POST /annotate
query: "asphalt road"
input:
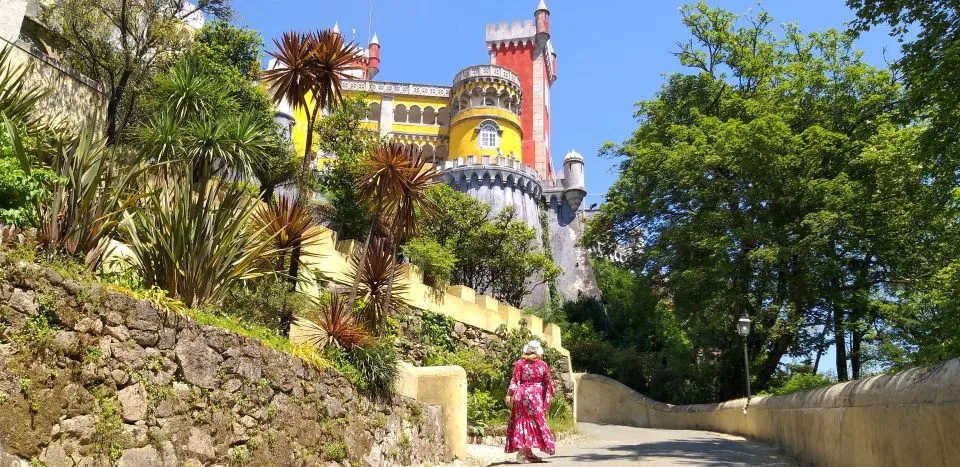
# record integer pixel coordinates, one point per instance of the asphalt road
(608, 445)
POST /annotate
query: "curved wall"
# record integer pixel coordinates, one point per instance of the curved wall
(911, 418)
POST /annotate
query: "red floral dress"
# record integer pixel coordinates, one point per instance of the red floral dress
(532, 391)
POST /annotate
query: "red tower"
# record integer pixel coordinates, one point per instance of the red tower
(526, 50)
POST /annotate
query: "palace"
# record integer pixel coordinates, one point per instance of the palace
(490, 131)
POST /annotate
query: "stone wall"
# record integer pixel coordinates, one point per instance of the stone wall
(911, 418)
(94, 377)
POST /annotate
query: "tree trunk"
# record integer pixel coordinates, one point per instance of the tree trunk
(363, 257)
(113, 108)
(856, 358)
(266, 193)
(840, 336)
(393, 275)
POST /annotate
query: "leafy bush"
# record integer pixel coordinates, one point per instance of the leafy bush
(485, 409)
(371, 369)
(798, 382)
(484, 372)
(560, 416)
(436, 261)
(437, 331)
(266, 300)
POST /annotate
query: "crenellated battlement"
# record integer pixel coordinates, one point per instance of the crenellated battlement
(516, 32)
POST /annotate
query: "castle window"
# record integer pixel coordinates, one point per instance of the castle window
(400, 113)
(414, 115)
(429, 116)
(489, 135)
(373, 112)
(443, 115)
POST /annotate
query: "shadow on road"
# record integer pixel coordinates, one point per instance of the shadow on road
(706, 452)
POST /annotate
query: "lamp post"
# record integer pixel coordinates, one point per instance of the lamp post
(743, 328)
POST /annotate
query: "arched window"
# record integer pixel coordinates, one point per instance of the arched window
(490, 97)
(429, 116)
(489, 135)
(443, 116)
(373, 112)
(441, 153)
(428, 153)
(414, 115)
(400, 114)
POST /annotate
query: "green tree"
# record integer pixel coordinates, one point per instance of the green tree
(765, 184)
(342, 135)
(233, 54)
(122, 44)
(496, 255)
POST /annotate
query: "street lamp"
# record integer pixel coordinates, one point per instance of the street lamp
(743, 328)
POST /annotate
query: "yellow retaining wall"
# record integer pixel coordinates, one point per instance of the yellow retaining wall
(445, 386)
(330, 259)
(911, 418)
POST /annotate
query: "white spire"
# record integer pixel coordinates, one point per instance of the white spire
(375, 40)
(542, 6)
(336, 27)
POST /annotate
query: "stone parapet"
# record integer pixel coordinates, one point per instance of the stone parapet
(910, 418)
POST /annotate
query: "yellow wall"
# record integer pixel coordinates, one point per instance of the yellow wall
(464, 138)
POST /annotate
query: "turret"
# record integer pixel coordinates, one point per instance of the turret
(542, 16)
(336, 28)
(573, 187)
(373, 60)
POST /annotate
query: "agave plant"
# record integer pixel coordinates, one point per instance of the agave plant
(336, 326)
(194, 241)
(311, 68)
(288, 224)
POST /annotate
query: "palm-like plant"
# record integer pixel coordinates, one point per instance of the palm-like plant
(288, 223)
(336, 326)
(18, 98)
(311, 68)
(395, 181)
(375, 269)
(194, 241)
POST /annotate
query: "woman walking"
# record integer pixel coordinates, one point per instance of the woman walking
(530, 394)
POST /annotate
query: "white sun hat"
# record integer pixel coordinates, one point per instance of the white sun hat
(533, 347)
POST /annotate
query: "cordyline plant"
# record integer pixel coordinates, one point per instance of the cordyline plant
(288, 223)
(376, 269)
(336, 326)
(395, 181)
(195, 240)
(310, 69)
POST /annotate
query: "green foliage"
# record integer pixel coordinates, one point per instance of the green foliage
(373, 368)
(151, 34)
(485, 410)
(22, 186)
(341, 133)
(798, 382)
(772, 179)
(437, 331)
(266, 301)
(484, 371)
(336, 451)
(435, 260)
(496, 256)
(560, 417)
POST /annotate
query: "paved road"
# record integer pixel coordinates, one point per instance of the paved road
(621, 446)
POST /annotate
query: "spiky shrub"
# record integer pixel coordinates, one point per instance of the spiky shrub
(335, 326)
(288, 223)
(93, 187)
(373, 271)
(195, 241)
(373, 368)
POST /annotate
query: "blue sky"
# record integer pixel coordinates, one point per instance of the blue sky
(610, 53)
